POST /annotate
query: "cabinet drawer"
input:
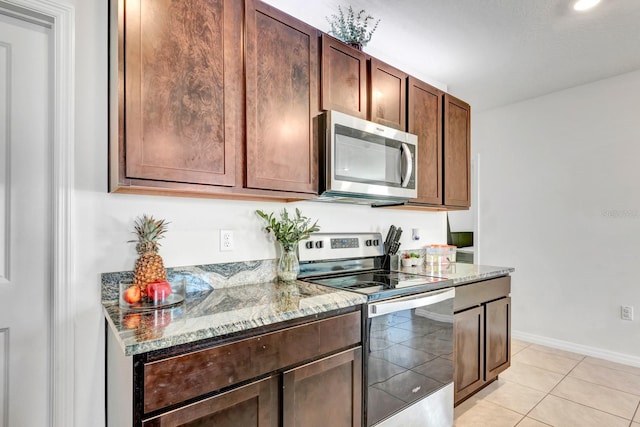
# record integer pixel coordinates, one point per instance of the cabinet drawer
(254, 404)
(481, 292)
(176, 379)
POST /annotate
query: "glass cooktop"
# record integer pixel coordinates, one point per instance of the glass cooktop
(383, 284)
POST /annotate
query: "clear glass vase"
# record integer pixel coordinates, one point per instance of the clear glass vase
(288, 266)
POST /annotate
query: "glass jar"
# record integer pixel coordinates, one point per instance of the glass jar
(288, 265)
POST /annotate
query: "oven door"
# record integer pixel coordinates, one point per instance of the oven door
(409, 360)
(371, 159)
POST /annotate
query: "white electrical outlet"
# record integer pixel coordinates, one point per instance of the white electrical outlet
(626, 312)
(226, 240)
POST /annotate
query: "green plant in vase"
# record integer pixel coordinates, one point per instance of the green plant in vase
(288, 231)
(352, 28)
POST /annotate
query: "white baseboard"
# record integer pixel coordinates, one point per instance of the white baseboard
(612, 356)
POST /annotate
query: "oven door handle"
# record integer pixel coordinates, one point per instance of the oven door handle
(413, 301)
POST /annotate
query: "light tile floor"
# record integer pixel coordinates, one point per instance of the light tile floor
(549, 387)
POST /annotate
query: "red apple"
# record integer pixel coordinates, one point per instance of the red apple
(158, 290)
(132, 294)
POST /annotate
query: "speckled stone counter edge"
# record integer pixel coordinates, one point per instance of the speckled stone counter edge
(460, 273)
(215, 325)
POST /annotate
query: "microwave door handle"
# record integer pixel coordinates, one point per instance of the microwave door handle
(399, 304)
(408, 164)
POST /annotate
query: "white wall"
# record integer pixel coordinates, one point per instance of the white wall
(103, 222)
(560, 202)
(384, 44)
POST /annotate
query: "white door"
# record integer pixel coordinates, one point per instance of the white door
(25, 222)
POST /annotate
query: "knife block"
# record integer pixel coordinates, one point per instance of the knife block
(391, 262)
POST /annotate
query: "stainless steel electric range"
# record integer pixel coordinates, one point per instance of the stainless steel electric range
(408, 328)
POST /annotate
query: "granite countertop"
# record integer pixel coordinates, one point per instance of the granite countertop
(217, 308)
(460, 273)
(219, 302)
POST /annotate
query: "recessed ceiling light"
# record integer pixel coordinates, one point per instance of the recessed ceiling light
(585, 4)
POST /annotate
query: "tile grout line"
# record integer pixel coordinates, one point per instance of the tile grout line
(530, 388)
(582, 360)
(549, 393)
(599, 385)
(611, 367)
(521, 385)
(603, 385)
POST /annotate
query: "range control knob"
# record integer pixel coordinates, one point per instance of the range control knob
(309, 245)
(368, 242)
(319, 244)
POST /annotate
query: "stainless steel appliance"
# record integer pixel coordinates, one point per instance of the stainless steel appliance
(408, 333)
(364, 162)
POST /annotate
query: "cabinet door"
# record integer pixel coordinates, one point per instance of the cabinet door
(498, 337)
(327, 392)
(255, 404)
(469, 351)
(344, 78)
(387, 95)
(180, 94)
(424, 119)
(281, 101)
(457, 152)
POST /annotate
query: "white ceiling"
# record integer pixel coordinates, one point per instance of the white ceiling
(495, 52)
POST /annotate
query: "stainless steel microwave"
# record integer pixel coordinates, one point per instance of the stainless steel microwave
(366, 163)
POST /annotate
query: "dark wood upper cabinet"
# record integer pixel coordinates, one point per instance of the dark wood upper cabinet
(282, 90)
(457, 152)
(387, 95)
(344, 78)
(424, 119)
(220, 98)
(180, 84)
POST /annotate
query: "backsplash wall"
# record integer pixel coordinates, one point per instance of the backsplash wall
(193, 235)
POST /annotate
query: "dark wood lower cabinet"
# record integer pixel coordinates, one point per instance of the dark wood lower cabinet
(498, 321)
(252, 405)
(321, 393)
(469, 347)
(327, 392)
(304, 373)
(482, 328)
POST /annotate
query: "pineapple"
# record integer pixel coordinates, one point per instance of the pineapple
(149, 266)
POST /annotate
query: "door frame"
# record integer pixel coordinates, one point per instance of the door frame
(63, 305)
